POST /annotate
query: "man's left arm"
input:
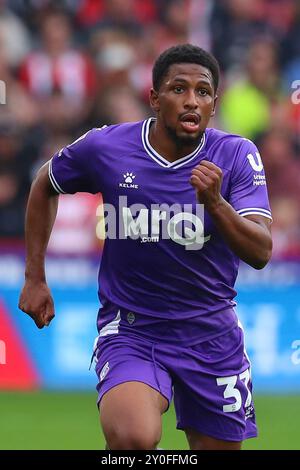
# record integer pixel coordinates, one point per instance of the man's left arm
(248, 236)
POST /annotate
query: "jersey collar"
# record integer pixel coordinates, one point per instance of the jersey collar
(157, 157)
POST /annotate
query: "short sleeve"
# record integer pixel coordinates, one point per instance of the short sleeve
(248, 191)
(70, 168)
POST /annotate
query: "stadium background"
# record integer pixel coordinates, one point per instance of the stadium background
(70, 65)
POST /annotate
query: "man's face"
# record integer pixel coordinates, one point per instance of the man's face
(185, 102)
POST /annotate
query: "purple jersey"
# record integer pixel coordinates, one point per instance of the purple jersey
(163, 256)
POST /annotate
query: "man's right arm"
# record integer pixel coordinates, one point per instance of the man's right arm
(35, 298)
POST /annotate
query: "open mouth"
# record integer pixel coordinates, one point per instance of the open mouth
(190, 122)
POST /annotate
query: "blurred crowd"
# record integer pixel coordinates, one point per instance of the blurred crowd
(67, 66)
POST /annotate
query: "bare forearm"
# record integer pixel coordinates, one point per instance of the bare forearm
(248, 239)
(40, 217)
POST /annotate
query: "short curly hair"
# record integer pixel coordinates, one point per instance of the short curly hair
(184, 53)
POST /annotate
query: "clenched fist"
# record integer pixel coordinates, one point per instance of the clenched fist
(37, 302)
(207, 179)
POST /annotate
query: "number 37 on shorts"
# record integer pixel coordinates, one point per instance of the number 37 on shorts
(233, 385)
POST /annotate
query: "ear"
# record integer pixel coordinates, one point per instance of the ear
(154, 100)
(214, 108)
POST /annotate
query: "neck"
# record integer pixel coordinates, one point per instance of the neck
(167, 145)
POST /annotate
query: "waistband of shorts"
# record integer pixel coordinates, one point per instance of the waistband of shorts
(192, 331)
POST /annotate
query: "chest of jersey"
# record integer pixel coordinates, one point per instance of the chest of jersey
(146, 201)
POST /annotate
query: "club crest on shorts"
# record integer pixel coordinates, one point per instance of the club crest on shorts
(130, 318)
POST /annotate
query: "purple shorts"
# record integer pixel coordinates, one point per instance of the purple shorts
(210, 380)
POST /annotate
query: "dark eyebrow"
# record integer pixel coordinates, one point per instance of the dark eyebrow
(183, 80)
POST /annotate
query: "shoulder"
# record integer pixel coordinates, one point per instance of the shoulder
(217, 137)
(228, 149)
(118, 129)
(114, 135)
